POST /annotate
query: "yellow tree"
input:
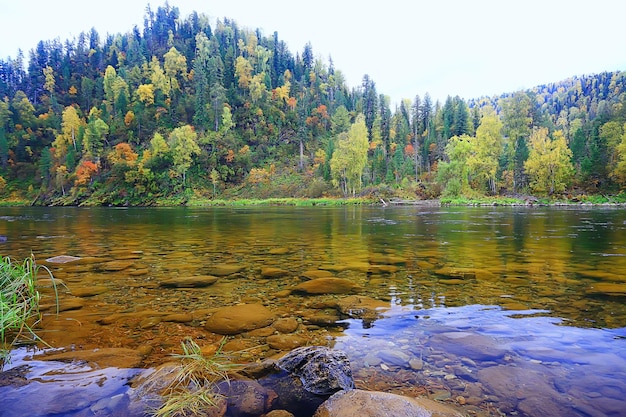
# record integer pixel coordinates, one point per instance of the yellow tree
(70, 126)
(174, 64)
(243, 70)
(158, 78)
(145, 92)
(487, 149)
(549, 165)
(619, 172)
(350, 157)
(183, 145)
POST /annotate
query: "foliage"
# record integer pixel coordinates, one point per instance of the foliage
(206, 108)
(549, 163)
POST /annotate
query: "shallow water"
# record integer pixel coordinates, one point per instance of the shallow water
(501, 310)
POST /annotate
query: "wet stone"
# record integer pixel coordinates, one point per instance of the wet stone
(316, 273)
(105, 357)
(150, 322)
(199, 281)
(269, 272)
(286, 325)
(178, 318)
(62, 259)
(89, 291)
(359, 403)
(239, 318)
(362, 307)
(322, 371)
(222, 270)
(474, 346)
(607, 288)
(286, 341)
(279, 251)
(394, 357)
(326, 286)
(119, 265)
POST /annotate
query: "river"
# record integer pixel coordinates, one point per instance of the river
(497, 310)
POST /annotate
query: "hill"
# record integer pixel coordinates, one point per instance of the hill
(182, 109)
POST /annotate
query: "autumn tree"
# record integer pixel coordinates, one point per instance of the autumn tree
(183, 146)
(69, 132)
(487, 149)
(95, 134)
(350, 157)
(455, 174)
(549, 165)
(618, 174)
(517, 121)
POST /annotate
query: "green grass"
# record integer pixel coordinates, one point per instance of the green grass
(193, 388)
(19, 304)
(296, 202)
(482, 201)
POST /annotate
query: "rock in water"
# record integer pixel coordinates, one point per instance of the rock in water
(239, 318)
(305, 377)
(321, 370)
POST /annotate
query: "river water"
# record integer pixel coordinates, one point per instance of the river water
(496, 310)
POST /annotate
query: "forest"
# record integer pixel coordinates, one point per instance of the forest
(185, 108)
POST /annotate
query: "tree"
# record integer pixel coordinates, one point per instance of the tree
(517, 120)
(69, 132)
(95, 134)
(455, 174)
(619, 172)
(174, 64)
(549, 165)
(487, 149)
(350, 157)
(183, 145)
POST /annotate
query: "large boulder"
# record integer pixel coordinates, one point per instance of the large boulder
(305, 377)
(239, 318)
(359, 403)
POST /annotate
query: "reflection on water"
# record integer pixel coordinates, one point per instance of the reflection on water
(554, 281)
(522, 361)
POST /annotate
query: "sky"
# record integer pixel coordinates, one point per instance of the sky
(469, 48)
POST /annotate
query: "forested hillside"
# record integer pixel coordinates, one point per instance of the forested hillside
(186, 108)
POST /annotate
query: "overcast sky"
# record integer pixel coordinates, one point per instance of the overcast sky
(469, 48)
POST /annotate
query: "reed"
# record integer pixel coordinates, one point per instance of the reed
(19, 304)
(193, 387)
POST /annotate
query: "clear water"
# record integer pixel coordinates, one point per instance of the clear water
(516, 311)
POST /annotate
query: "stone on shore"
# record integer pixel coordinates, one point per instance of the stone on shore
(359, 403)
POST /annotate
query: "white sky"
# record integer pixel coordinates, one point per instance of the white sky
(469, 48)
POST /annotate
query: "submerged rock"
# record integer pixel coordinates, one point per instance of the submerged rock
(270, 272)
(239, 318)
(327, 286)
(106, 357)
(62, 259)
(198, 281)
(357, 306)
(222, 270)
